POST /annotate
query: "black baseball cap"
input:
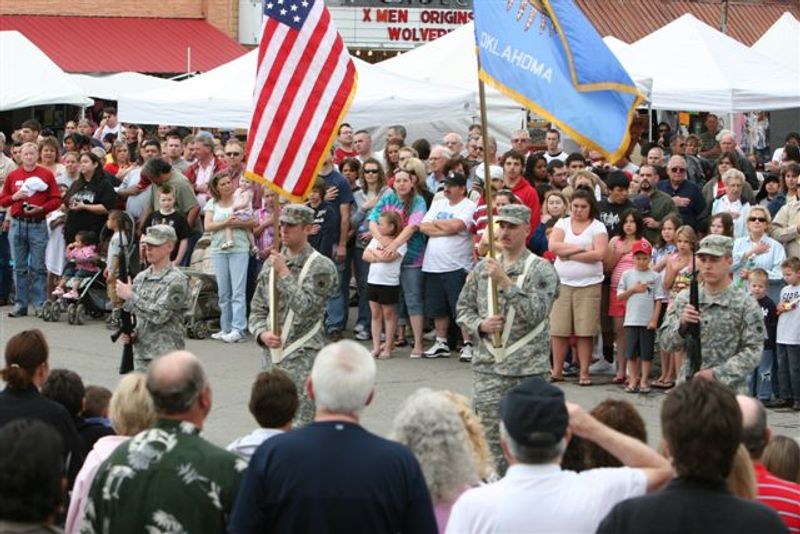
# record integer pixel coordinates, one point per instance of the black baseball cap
(535, 407)
(456, 178)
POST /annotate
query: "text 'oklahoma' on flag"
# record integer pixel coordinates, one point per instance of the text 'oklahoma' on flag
(546, 55)
(305, 81)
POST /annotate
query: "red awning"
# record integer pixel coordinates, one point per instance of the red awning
(121, 44)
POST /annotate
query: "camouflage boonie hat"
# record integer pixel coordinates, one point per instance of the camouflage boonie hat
(159, 234)
(517, 214)
(297, 214)
(716, 245)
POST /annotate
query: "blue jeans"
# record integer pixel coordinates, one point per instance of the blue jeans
(412, 301)
(761, 382)
(29, 242)
(362, 273)
(6, 275)
(338, 304)
(231, 271)
(789, 371)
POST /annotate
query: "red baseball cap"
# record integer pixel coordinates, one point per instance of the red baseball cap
(642, 246)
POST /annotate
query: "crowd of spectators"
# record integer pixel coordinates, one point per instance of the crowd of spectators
(132, 460)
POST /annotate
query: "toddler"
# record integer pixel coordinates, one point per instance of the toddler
(114, 224)
(243, 211)
(383, 283)
(83, 251)
(761, 380)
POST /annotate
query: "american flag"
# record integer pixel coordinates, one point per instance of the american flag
(305, 81)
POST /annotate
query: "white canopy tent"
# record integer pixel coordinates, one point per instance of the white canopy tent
(782, 42)
(29, 78)
(111, 86)
(695, 67)
(222, 98)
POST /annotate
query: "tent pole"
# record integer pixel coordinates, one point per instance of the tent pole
(650, 122)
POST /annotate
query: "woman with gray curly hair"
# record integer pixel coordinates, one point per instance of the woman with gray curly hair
(428, 423)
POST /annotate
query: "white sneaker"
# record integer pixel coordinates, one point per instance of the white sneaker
(234, 336)
(601, 367)
(438, 350)
(466, 353)
(219, 335)
(361, 335)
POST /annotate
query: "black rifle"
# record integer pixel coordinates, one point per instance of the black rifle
(127, 322)
(694, 351)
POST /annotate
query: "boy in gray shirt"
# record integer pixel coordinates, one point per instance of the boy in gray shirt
(642, 290)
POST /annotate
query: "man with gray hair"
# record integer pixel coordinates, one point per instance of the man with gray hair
(205, 167)
(437, 161)
(167, 478)
(727, 143)
(687, 196)
(333, 475)
(536, 495)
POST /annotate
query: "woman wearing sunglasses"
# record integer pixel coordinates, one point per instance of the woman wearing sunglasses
(757, 249)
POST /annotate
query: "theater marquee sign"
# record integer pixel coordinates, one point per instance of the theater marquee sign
(397, 24)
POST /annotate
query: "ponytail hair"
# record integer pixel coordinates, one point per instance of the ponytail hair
(25, 352)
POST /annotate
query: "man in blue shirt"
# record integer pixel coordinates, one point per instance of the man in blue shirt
(339, 195)
(333, 475)
(687, 196)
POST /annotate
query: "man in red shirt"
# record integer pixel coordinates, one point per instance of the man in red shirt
(780, 495)
(29, 206)
(344, 144)
(513, 164)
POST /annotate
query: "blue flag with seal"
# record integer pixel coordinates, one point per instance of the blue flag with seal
(548, 57)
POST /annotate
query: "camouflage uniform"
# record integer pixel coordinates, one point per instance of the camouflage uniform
(492, 379)
(308, 302)
(731, 325)
(159, 301)
(731, 333)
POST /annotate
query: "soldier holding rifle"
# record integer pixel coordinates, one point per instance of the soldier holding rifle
(526, 288)
(731, 322)
(158, 297)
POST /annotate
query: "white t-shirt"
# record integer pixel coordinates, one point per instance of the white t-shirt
(562, 156)
(445, 254)
(639, 306)
(54, 252)
(385, 273)
(577, 273)
(135, 204)
(789, 321)
(543, 498)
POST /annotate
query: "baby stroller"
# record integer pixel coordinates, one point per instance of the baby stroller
(202, 314)
(91, 301)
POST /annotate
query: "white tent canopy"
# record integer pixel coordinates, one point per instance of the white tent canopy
(451, 59)
(223, 98)
(782, 42)
(112, 86)
(29, 78)
(695, 67)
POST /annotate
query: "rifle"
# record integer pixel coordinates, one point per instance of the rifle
(694, 351)
(126, 319)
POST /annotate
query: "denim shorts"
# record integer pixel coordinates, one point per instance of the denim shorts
(442, 291)
(411, 291)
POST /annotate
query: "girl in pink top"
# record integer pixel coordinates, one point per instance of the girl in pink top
(618, 260)
(83, 252)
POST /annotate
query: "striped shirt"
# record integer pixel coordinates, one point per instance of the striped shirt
(780, 495)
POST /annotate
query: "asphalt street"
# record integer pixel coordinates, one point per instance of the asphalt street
(231, 368)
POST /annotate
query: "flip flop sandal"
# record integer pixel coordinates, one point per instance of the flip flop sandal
(585, 382)
(631, 389)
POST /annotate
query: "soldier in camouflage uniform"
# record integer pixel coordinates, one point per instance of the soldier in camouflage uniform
(731, 321)
(305, 280)
(158, 298)
(526, 286)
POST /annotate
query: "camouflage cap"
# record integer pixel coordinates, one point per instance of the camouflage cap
(297, 214)
(716, 245)
(159, 234)
(516, 214)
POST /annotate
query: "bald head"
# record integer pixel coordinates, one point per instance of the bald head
(175, 382)
(755, 433)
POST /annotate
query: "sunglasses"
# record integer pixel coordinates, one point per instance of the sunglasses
(757, 219)
(678, 169)
(232, 154)
(371, 171)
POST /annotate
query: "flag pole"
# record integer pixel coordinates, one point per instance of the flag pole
(275, 327)
(497, 340)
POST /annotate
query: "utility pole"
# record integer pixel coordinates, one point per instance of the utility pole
(723, 17)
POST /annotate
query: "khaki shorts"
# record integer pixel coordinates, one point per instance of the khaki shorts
(576, 311)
